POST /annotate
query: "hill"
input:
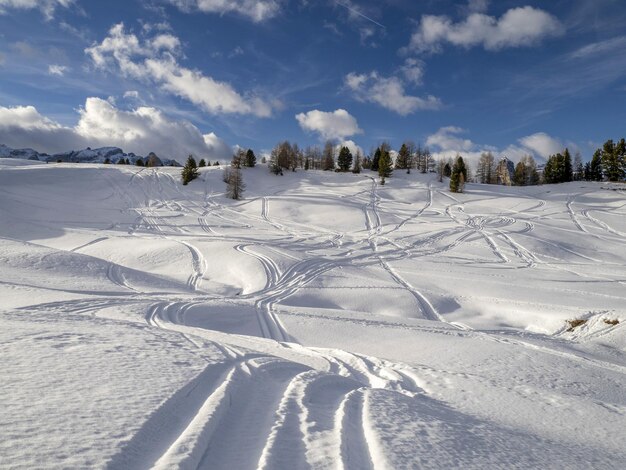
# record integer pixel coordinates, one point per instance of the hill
(322, 321)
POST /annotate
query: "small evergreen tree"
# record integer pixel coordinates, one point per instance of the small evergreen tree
(376, 160)
(139, 162)
(385, 167)
(190, 170)
(458, 176)
(404, 157)
(447, 170)
(250, 158)
(306, 164)
(202, 163)
(107, 161)
(344, 161)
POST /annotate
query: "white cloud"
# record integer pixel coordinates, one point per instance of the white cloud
(523, 26)
(100, 123)
(47, 7)
(446, 138)
(389, 92)
(154, 60)
(447, 143)
(131, 94)
(413, 71)
(542, 144)
(338, 124)
(255, 10)
(58, 70)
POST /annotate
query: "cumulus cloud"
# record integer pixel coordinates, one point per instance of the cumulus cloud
(337, 124)
(542, 144)
(447, 142)
(255, 10)
(518, 27)
(155, 60)
(58, 70)
(389, 92)
(47, 7)
(447, 138)
(100, 123)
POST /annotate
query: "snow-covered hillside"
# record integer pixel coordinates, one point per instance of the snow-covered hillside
(322, 322)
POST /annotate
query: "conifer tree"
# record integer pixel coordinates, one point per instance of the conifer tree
(202, 163)
(250, 158)
(458, 176)
(403, 158)
(190, 170)
(613, 155)
(376, 160)
(596, 172)
(344, 161)
(568, 172)
(385, 167)
(139, 162)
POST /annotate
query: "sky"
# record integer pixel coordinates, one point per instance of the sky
(204, 76)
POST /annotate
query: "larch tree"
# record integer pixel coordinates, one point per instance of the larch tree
(357, 162)
(234, 183)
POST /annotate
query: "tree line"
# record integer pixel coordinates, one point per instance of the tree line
(607, 163)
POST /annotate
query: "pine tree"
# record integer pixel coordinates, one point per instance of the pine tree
(568, 172)
(376, 160)
(107, 161)
(447, 170)
(139, 162)
(519, 177)
(344, 161)
(596, 170)
(234, 184)
(190, 170)
(306, 164)
(202, 163)
(250, 158)
(613, 159)
(385, 167)
(458, 176)
(403, 158)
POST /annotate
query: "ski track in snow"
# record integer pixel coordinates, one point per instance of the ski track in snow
(288, 405)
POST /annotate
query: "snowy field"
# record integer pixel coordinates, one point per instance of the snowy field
(322, 322)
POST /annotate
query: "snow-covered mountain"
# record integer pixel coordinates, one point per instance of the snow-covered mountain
(88, 155)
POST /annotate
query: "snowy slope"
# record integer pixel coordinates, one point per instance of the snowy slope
(322, 322)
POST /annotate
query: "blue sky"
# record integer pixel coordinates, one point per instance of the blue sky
(180, 76)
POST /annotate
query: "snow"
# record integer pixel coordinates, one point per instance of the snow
(323, 321)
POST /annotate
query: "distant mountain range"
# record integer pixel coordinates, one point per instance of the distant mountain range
(88, 155)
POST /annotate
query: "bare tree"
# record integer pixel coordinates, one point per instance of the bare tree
(235, 185)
